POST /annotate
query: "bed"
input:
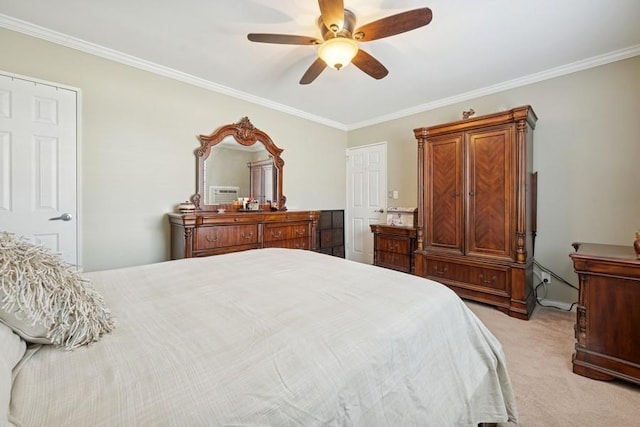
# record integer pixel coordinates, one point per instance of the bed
(268, 337)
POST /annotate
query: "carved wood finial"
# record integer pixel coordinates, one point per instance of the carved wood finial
(245, 130)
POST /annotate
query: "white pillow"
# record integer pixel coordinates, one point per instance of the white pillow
(11, 352)
(44, 300)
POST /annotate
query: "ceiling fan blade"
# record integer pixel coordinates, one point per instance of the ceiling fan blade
(394, 24)
(283, 39)
(369, 65)
(332, 12)
(313, 71)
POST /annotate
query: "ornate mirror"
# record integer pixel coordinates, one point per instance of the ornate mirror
(238, 161)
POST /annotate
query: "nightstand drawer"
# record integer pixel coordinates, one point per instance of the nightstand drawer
(391, 244)
(225, 235)
(393, 260)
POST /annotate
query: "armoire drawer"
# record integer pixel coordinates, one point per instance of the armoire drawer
(487, 277)
(225, 235)
(275, 232)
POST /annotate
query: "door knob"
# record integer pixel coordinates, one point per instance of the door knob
(380, 211)
(64, 217)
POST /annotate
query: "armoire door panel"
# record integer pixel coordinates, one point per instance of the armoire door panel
(444, 194)
(490, 189)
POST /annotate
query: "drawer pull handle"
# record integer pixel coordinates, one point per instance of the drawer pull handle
(394, 246)
(246, 236)
(210, 240)
(439, 272)
(300, 232)
(488, 281)
(276, 235)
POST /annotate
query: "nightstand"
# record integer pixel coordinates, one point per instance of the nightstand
(393, 247)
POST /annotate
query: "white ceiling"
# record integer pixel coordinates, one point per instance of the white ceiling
(471, 47)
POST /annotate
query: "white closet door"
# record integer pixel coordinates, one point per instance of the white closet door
(366, 198)
(38, 163)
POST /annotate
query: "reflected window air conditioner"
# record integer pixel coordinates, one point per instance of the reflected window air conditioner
(223, 195)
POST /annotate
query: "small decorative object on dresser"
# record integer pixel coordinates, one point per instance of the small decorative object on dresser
(186, 207)
(607, 319)
(636, 244)
(475, 206)
(406, 217)
(393, 247)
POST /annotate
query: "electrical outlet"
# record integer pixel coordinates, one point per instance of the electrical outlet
(546, 277)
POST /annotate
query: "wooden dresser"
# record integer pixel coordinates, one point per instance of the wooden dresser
(607, 327)
(393, 247)
(212, 233)
(475, 204)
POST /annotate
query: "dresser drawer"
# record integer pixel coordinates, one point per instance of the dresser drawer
(225, 235)
(392, 244)
(486, 277)
(299, 243)
(275, 232)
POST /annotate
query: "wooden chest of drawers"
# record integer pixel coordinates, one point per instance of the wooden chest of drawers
(607, 320)
(211, 233)
(393, 247)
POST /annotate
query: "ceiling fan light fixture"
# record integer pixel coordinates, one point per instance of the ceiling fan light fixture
(338, 52)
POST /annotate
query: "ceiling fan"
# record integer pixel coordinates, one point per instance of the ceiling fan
(339, 46)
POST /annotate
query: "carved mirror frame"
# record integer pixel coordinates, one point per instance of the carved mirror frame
(245, 134)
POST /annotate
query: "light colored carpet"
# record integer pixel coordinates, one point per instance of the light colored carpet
(547, 391)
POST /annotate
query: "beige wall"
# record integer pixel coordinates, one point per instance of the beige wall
(586, 152)
(139, 133)
(138, 141)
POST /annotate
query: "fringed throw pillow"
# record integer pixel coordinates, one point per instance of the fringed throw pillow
(44, 300)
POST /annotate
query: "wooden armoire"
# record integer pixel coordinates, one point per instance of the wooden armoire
(475, 223)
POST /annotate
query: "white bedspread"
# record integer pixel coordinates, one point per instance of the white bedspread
(271, 337)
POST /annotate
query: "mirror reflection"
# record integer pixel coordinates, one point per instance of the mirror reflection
(235, 171)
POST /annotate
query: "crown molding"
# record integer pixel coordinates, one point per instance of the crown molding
(97, 50)
(574, 67)
(123, 58)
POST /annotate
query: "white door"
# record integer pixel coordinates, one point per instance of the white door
(38, 150)
(366, 198)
